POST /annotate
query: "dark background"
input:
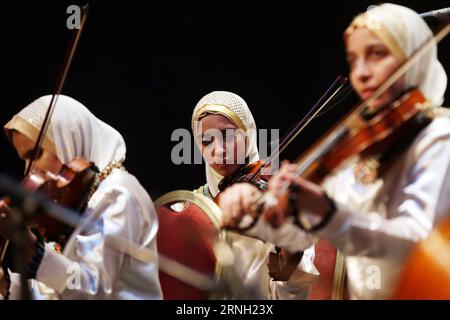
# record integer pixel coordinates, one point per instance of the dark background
(141, 66)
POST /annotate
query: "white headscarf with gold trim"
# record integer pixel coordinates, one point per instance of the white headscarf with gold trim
(73, 132)
(236, 110)
(403, 31)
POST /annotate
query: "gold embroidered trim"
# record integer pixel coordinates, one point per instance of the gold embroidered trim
(366, 170)
(99, 177)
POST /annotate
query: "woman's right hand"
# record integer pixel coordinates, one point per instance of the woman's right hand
(236, 201)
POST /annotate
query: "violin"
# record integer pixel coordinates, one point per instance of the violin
(365, 137)
(250, 173)
(71, 186)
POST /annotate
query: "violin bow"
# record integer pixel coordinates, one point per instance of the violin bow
(323, 101)
(59, 86)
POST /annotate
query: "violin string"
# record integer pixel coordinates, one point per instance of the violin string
(341, 96)
(346, 92)
(301, 125)
(298, 125)
(311, 115)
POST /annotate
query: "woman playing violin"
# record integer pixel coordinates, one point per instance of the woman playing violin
(225, 132)
(373, 216)
(90, 265)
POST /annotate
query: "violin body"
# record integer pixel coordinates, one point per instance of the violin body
(250, 173)
(70, 188)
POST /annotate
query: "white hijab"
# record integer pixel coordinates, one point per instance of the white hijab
(403, 31)
(236, 110)
(73, 132)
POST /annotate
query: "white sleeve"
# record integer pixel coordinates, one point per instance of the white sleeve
(293, 239)
(288, 236)
(38, 291)
(301, 282)
(251, 268)
(89, 269)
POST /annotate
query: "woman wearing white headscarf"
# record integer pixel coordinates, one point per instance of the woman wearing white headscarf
(91, 265)
(221, 111)
(375, 219)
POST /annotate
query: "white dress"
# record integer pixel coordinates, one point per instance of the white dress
(91, 267)
(251, 258)
(376, 224)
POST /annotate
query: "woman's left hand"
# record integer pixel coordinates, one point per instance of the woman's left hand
(236, 201)
(8, 229)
